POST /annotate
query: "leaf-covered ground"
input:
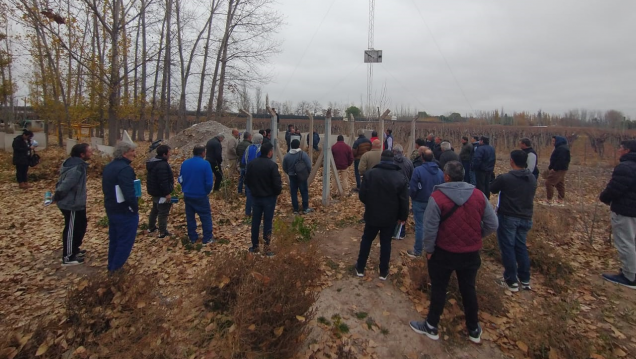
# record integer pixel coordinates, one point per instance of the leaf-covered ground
(570, 313)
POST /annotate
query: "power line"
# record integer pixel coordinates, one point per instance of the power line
(307, 48)
(443, 57)
(339, 81)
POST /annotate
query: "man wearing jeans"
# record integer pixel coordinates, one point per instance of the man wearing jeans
(121, 205)
(424, 179)
(384, 192)
(263, 180)
(620, 194)
(240, 151)
(457, 217)
(252, 152)
(196, 183)
(296, 154)
(483, 164)
(516, 196)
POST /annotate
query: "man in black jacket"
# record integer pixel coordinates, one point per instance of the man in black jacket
(21, 151)
(121, 205)
(559, 163)
(160, 185)
(483, 164)
(447, 154)
(620, 194)
(240, 151)
(516, 197)
(437, 148)
(466, 156)
(263, 180)
(213, 150)
(533, 159)
(385, 194)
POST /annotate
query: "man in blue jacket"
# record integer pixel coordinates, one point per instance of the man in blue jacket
(121, 205)
(289, 166)
(251, 153)
(483, 165)
(196, 183)
(424, 178)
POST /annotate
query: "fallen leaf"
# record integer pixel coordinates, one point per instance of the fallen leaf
(523, 346)
(252, 327)
(619, 352)
(278, 331)
(42, 349)
(300, 318)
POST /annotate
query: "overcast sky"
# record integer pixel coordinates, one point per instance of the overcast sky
(461, 56)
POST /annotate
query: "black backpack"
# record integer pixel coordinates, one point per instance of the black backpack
(301, 169)
(34, 160)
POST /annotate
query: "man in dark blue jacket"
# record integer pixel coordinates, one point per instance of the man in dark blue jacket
(424, 178)
(483, 165)
(121, 204)
(213, 150)
(559, 164)
(160, 185)
(385, 194)
(196, 183)
(263, 180)
(620, 194)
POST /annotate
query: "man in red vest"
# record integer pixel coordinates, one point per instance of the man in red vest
(456, 219)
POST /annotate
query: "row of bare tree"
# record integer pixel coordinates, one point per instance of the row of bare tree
(97, 62)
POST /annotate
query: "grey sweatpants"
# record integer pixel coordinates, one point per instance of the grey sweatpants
(624, 231)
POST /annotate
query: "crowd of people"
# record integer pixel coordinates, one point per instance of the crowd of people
(447, 193)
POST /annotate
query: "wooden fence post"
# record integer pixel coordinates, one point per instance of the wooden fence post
(248, 124)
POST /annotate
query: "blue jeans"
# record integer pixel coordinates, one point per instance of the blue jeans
(418, 216)
(249, 201)
(200, 206)
(263, 207)
(122, 230)
(511, 236)
(356, 163)
(466, 171)
(241, 179)
(294, 186)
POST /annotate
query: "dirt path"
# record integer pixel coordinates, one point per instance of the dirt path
(376, 312)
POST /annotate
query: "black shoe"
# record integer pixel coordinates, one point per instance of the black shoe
(165, 234)
(81, 253)
(384, 276)
(424, 328)
(72, 261)
(268, 252)
(152, 230)
(511, 286)
(254, 250)
(475, 335)
(358, 273)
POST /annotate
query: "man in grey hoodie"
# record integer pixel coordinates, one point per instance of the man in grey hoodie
(456, 219)
(70, 196)
(289, 166)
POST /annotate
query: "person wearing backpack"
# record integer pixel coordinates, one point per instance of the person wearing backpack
(424, 178)
(251, 152)
(343, 157)
(70, 197)
(298, 166)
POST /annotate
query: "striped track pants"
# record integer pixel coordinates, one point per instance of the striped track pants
(74, 229)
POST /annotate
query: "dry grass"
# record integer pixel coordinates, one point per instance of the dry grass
(263, 305)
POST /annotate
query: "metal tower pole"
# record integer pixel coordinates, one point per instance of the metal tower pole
(370, 65)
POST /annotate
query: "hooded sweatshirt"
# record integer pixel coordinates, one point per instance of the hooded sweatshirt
(405, 165)
(560, 158)
(290, 159)
(516, 193)
(425, 178)
(70, 190)
(462, 232)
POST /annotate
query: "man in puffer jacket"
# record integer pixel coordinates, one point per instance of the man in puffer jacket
(70, 196)
(620, 194)
(160, 185)
(559, 163)
(361, 146)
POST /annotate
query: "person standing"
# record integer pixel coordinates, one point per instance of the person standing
(559, 163)
(252, 152)
(21, 152)
(388, 141)
(240, 151)
(514, 211)
(416, 157)
(316, 138)
(457, 217)
(160, 185)
(437, 148)
(374, 136)
(385, 195)
(288, 134)
(533, 159)
(343, 157)
(430, 141)
(70, 197)
(371, 158)
(473, 177)
(267, 137)
(361, 146)
(620, 194)
(214, 156)
(406, 166)
(425, 178)
(296, 182)
(196, 178)
(483, 165)
(263, 180)
(447, 154)
(232, 156)
(121, 204)
(466, 156)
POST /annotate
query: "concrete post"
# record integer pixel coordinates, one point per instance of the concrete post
(326, 150)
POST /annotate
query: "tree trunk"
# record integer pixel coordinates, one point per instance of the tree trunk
(205, 61)
(142, 101)
(113, 90)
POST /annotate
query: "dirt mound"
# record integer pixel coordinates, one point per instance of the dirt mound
(198, 134)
